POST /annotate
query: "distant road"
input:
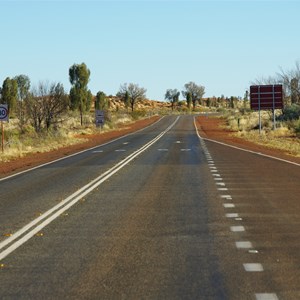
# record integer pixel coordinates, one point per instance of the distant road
(158, 214)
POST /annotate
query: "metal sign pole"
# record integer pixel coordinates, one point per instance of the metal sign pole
(2, 143)
(259, 112)
(274, 120)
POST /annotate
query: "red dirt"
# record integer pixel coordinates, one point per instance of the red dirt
(208, 127)
(213, 128)
(35, 159)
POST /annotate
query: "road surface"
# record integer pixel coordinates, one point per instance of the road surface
(158, 214)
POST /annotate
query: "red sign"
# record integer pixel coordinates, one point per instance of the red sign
(263, 97)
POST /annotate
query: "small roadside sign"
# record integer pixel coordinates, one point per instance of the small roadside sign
(3, 112)
(99, 116)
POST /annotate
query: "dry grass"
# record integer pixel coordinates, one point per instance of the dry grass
(283, 138)
(68, 132)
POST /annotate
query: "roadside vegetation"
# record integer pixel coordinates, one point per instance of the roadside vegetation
(44, 116)
(286, 137)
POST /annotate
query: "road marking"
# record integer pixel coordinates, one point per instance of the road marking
(228, 205)
(253, 267)
(125, 143)
(35, 226)
(120, 150)
(237, 228)
(220, 183)
(97, 151)
(218, 178)
(213, 171)
(222, 189)
(226, 197)
(80, 152)
(242, 149)
(163, 149)
(185, 149)
(243, 245)
(217, 175)
(232, 215)
(212, 167)
(177, 142)
(266, 296)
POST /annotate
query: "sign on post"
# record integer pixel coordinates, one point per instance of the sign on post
(3, 112)
(99, 118)
(3, 117)
(264, 97)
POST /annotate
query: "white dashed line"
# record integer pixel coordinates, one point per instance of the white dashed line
(266, 296)
(97, 151)
(243, 245)
(226, 197)
(237, 228)
(163, 149)
(185, 149)
(120, 150)
(232, 215)
(253, 267)
(228, 205)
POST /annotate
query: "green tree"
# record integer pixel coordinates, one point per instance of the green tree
(23, 82)
(196, 91)
(80, 96)
(133, 91)
(9, 93)
(101, 101)
(172, 95)
(188, 96)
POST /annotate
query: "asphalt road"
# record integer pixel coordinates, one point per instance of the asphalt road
(159, 214)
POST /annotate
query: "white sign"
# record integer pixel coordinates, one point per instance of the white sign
(3, 112)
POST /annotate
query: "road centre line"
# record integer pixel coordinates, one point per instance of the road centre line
(80, 152)
(58, 209)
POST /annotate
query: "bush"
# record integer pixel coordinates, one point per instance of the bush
(291, 112)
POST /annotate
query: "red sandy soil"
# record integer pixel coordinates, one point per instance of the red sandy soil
(35, 159)
(214, 128)
(209, 127)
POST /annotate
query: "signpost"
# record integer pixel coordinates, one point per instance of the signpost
(3, 117)
(99, 116)
(266, 97)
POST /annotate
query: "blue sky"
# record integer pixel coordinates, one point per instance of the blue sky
(222, 45)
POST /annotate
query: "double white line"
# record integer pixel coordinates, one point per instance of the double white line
(24, 234)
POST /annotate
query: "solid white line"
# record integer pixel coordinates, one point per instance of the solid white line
(56, 211)
(245, 150)
(77, 153)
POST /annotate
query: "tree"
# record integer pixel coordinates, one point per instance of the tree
(188, 99)
(196, 91)
(80, 96)
(23, 82)
(101, 101)
(9, 93)
(45, 103)
(172, 95)
(133, 92)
